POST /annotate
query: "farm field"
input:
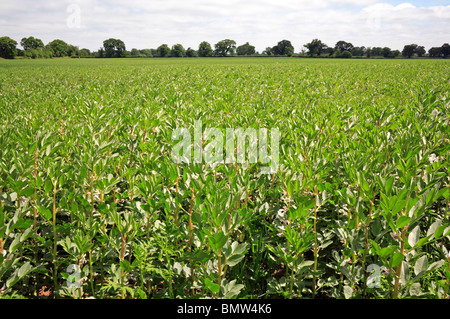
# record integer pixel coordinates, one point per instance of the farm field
(93, 205)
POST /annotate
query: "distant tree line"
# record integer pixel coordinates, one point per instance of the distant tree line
(115, 48)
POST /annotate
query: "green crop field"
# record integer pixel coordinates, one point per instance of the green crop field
(93, 205)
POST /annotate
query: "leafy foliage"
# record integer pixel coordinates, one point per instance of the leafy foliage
(92, 205)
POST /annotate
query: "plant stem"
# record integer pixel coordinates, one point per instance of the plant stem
(219, 280)
(366, 247)
(291, 288)
(446, 211)
(399, 267)
(176, 194)
(171, 295)
(35, 214)
(79, 287)
(448, 280)
(91, 273)
(191, 229)
(122, 256)
(92, 192)
(55, 244)
(316, 250)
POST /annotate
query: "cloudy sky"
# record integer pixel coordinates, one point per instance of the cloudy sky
(147, 24)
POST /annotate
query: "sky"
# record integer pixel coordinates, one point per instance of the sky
(262, 23)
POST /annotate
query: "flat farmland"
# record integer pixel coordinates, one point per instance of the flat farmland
(94, 204)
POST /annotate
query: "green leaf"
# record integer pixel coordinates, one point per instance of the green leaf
(74, 207)
(386, 252)
(422, 242)
(415, 289)
(436, 264)
(26, 234)
(45, 212)
(27, 192)
(397, 258)
(231, 289)
(403, 221)
(125, 265)
(365, 186)
(347, 273)
(83, 172)
(215, 288)
(388, 185)
(413, 236)
(375, 247)
(7, 264)
(439, 231)
(238, 248)
(23, 224)
(25, 269)
(201, 256)
(348, 292)
(217, 241)
(141, 293)
(399, 205)
(19, 274)
(421, 265)
(325, 244)
(432, 230)
(15, 243)
(404, 274)
(48, 186)
(233, 260)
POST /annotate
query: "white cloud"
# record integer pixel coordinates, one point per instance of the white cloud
(147, 24)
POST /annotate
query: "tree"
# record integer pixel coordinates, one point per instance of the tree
(204, 49)
(395, 53)
(100, 53)
(85, 53)
(358, 51)
(409, 50)
(31, 43)
(420, 51)
(342, 46)
(346, 54)
(114, 48)
(135, 52)
(146, 53)
(284, 47)
(163, 50)
(225, 47)
(7, 48)
(109, 46)
(268, 51)
(445, 49)
(435, 52)
(329, 51)
(386, 52)
(315, 47)
(177, 51)
(376, 51)
(73, 51)
(59, 48)
(190, 53)
(245, 49)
